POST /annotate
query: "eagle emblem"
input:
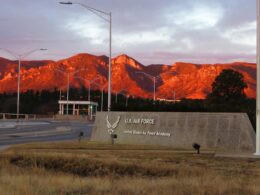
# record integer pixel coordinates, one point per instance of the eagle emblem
(112, 127)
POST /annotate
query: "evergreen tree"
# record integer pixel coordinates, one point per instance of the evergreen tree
(229, 85)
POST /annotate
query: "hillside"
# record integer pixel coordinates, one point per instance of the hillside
(186, 79)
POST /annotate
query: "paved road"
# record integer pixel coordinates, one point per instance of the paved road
(32, 131)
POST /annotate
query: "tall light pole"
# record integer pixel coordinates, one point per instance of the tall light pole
(89, 84)
(258, 83)
(102, 95)
(20, 57)
(174, 96)
(60, 94)
(101, 88)
(154, 79)
(68, 83)
(120, 92)
(107, 16)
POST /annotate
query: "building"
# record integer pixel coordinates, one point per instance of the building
(76, 108)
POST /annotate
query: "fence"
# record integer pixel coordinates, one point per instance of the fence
(8, 116)
(13, 116)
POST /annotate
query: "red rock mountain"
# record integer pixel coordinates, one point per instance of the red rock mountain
(185, 79)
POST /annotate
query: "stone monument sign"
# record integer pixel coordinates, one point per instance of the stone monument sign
(226, 131)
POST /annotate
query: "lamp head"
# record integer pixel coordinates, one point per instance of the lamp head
(66, 3)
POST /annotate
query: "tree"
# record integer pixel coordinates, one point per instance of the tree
(229, 85)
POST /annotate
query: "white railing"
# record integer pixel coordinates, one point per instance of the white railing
(13, 116)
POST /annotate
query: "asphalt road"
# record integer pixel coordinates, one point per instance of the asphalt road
(39, 131)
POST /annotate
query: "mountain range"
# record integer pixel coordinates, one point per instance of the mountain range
(185, 80)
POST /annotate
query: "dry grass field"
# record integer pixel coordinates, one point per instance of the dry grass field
(91, 168)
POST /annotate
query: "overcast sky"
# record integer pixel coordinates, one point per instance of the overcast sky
(151, 31)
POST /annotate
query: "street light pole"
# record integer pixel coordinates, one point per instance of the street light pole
(108, 18)
(102, 96)
(60, 93)
(154, 78)
(20, 57)
(258, 83)
(68, 92)
(18, 88)
(174, 96)
(89, 85)
(126, 102)
(154, 82)
(94, 82)
(110, 61)
(90, 82)
(120, 92)
(68, 83)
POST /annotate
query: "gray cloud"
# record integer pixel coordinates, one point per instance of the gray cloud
(213, 31)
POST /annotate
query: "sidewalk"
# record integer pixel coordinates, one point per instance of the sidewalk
(238, 155)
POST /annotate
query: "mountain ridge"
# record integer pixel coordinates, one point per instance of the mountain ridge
(186, 80)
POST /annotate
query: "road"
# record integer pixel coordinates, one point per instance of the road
(39, 131)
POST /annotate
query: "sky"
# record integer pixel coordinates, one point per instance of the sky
(151, 31)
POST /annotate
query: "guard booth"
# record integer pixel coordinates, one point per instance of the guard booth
(76, 108)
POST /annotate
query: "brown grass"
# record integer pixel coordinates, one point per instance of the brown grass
(92, 168)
